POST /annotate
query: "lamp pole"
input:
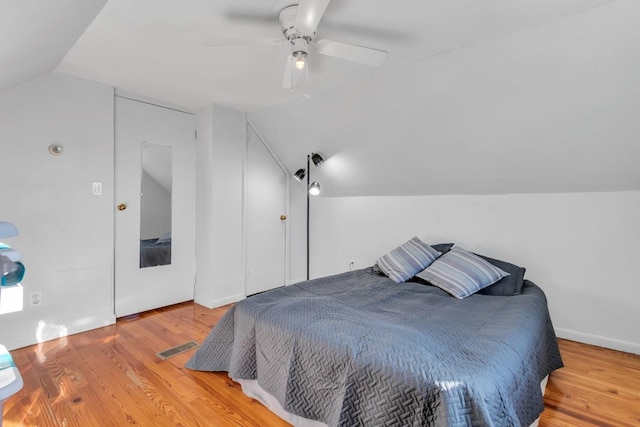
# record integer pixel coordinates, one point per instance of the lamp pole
(308, 186)
(315, 186)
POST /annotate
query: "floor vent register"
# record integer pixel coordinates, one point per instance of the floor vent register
(173, 351)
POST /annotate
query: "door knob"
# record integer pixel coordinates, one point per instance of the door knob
(283, 217)
(122, 207)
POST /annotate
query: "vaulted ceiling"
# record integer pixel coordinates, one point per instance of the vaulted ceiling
(36, 35)
(158, 48)
(490, 96)
(550, 107)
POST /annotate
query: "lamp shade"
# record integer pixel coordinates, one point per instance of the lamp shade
(314, 188)
(317, 159)
(300, 174)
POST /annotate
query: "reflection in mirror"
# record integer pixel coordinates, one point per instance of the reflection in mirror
(155, 206)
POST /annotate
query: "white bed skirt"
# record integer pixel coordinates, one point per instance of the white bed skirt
(252, 389)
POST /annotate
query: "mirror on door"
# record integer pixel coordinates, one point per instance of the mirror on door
(155, 205)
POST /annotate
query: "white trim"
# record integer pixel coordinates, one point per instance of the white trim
(219, 302)
(147, 100)
(269, 148)
(245, 186)
(74, 326)
(598, 340)
(112, 302)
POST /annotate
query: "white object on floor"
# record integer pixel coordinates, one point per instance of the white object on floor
(10, 379)
(253, 390)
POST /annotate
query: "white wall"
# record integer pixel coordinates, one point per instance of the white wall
(580, 248)
(219, 222)
(50, 200)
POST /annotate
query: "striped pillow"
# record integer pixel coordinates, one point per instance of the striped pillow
(461, 273)
(402, 263)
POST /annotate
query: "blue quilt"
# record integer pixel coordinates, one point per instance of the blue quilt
(357, 349)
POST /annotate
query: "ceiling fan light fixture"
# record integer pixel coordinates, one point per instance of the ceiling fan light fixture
(300, 60)
(299, 22)
(299, 47)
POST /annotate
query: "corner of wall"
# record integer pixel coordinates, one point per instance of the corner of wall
(597, 340)
(219, 187)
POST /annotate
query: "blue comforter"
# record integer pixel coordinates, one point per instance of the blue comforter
(356, 349)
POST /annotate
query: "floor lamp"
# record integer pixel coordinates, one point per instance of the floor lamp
(313, 189)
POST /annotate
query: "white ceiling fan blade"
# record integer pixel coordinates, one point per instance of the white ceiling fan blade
(309, 15)
(291, 78)
(240, 41)
(352, 52)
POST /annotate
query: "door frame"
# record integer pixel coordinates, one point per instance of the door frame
(245, 194)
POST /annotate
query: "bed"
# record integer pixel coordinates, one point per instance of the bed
(357, 349)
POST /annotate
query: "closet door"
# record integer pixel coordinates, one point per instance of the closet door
(155, 206)
(266, 218)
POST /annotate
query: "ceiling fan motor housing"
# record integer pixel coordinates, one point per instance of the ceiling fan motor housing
(287, 22)
(299, 23)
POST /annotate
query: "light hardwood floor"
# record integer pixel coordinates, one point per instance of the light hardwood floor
(112, 377)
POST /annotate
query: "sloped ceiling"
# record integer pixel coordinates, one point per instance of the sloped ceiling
(157, 162)
(155, 47)
(492, 96)
(550, 107)
(36, 35)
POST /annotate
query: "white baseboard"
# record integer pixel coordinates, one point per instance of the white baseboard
(599, 341)
(52, 332)
(219, 302)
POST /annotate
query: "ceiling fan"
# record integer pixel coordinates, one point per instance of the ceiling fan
(299, 23)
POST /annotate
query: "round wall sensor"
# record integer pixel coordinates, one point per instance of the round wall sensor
(56, 149)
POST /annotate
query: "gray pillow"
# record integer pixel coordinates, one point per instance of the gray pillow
(376, 270)
(508, 285)
(461, 273)
(165, 238)
(406, 260)
(442, 247)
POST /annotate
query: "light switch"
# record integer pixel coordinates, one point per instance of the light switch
(97, 189)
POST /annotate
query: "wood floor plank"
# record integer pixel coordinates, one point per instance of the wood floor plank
(597, 387)
(112, 377)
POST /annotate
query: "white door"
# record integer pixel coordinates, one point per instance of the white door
(266, 205)
(154, 228)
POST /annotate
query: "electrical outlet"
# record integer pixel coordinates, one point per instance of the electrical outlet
(35, 298)
(352, 265)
